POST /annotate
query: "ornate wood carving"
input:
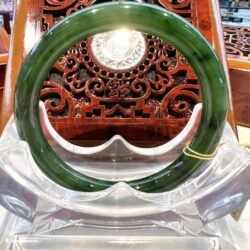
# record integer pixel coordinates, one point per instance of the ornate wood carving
(162, 86)
(54, 10)
(159, 92)
(237, 41)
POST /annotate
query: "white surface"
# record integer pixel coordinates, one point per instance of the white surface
(241, 229)
(119, 50)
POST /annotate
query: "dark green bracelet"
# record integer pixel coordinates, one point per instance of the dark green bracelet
(112, 16)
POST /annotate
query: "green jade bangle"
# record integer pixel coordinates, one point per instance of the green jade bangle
(113, 16)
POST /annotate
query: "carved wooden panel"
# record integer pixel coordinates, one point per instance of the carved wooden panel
(196, 12)
(159, 92)
(237, 42)
(161, 86)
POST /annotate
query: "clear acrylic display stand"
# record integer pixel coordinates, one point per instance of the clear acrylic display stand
(36, 213)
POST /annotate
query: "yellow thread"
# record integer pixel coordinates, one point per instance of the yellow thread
(199, 154)
(196, 156)
(206, 157)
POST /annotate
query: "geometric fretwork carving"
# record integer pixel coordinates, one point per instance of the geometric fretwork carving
(237, 42)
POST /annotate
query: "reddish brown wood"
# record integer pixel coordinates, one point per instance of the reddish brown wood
(21, 40)
(2, 78)
(241, 95)
(78, 111)
(155, 99)
(3, 48)
(162, 89)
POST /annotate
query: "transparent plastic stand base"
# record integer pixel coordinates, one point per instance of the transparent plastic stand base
(37, 213)
(157, 232)
(149, 233)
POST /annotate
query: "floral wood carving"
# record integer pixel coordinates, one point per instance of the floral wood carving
(162, 85)
(237, 42)
(55, 10)
(161, 88)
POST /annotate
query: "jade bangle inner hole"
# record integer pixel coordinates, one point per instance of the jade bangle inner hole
(119, 58)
